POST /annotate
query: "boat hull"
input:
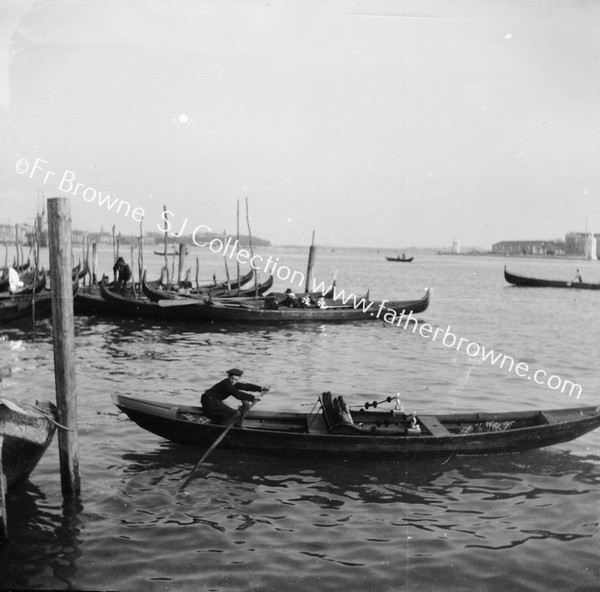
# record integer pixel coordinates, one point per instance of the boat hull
(26, 438)
(23, 306)
(154, 292)
(252, 312)
(519, 280)
(387, 437)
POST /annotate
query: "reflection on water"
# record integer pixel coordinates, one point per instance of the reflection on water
(487, 503)
(43, 536)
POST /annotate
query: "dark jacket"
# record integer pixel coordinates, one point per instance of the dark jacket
(125, 273)
(225, 389)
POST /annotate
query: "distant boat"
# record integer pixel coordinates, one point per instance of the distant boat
(172, 254)
(519, 280)
(399, 259)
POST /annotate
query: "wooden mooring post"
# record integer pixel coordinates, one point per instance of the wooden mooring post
(94, 264)
(181, 268)
(59, 242)
(3, 517)
(312, 255)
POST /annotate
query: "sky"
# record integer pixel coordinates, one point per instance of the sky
(374, 123)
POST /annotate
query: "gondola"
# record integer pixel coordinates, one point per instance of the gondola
(89, 301)
(248, 309)
(262, 311)
(519, 280)
(124, 304)
(400, 259)
(22, 268)
(28, 289)
(27, 431)
(153, 293)
(81, 274)
(333, 429)
(215, 286)
(19, 307)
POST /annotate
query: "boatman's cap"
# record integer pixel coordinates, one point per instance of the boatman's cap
(235, 372)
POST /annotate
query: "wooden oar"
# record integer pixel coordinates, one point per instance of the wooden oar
(214, 445)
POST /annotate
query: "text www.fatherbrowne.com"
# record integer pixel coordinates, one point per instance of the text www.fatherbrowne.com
(450, 340)
(284, 273)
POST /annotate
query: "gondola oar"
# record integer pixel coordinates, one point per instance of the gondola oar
(214, 445)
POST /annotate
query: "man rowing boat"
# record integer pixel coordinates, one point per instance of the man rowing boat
(212, 399)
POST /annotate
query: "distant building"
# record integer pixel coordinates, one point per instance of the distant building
(455, 246)
(7, 233)
(549, 247)
(10, 233)
(582, 244)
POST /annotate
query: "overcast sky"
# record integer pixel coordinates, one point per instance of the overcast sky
(375, 123)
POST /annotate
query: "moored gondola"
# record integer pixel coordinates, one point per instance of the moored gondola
(214, 287)
(27, 431)
(126, 304)
(19, 307)
(31, 286)
(155, 293)
(266, 311)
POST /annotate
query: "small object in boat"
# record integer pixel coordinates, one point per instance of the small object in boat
(398, 408)
(414, 427)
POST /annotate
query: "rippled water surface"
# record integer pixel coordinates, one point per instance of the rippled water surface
(520, 522)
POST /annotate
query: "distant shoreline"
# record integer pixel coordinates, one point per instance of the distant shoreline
(510, 256)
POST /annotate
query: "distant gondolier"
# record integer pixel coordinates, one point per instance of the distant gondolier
(212, 399)
(124, 272)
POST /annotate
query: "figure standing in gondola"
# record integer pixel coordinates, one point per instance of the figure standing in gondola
(124, 272)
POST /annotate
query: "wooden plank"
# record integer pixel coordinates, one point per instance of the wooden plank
(432, 425)
(549, 418)
(317, 425)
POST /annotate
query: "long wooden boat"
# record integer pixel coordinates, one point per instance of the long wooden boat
(27, 431)
(28, 289)
(400, 259)
(249, 309)
(215, 286)
(20, 307)
(260, 310)
(519, 280)
(331, 429)
(154, 293)
(89, 301)
(117, 304)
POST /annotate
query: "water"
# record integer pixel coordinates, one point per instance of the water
(520, 522)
